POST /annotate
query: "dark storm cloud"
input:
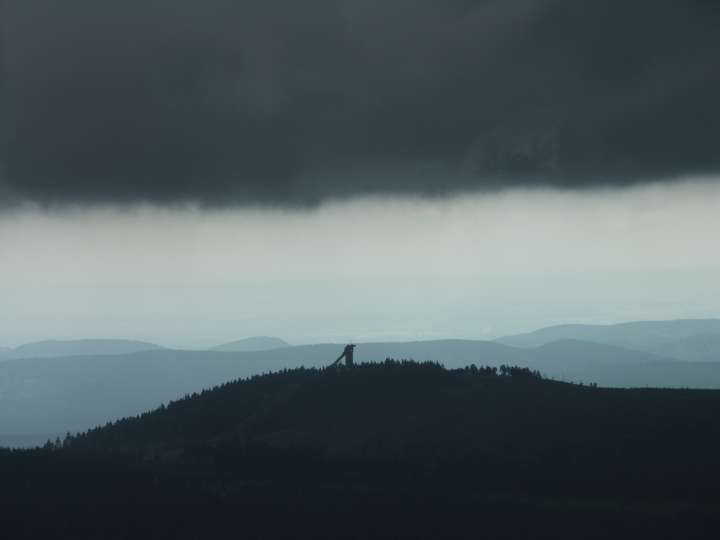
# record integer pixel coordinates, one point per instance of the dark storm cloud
(288, 102)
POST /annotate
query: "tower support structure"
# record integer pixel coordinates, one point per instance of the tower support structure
(346, 355)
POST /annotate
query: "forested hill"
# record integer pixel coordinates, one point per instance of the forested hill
(424, 413)
(389, 409)
(390, 449)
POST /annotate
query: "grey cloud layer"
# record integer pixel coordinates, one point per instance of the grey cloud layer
(287, 102)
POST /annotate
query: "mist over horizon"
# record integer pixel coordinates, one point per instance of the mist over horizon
(368, 269)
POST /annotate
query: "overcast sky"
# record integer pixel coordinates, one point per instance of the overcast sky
(192, 172)
(227, 102)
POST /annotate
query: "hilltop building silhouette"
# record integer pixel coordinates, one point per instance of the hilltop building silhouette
(347, 354)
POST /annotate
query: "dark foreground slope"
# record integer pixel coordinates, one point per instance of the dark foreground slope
(393, 449)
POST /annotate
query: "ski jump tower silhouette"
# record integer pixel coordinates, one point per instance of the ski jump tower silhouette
(347, 354)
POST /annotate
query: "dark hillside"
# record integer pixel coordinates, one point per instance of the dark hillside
(425, 414)
(393, 449)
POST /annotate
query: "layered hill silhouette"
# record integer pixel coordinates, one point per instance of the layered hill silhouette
(252, 344)
(43, 397)
(695, 348)
(80, 347)
(680, 337)
(54, 348)
(387, 449)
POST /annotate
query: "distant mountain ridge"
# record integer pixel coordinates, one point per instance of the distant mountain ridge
(79, 347)
(696, 348)
(252, 344)
(691, 337)
(575, 352)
